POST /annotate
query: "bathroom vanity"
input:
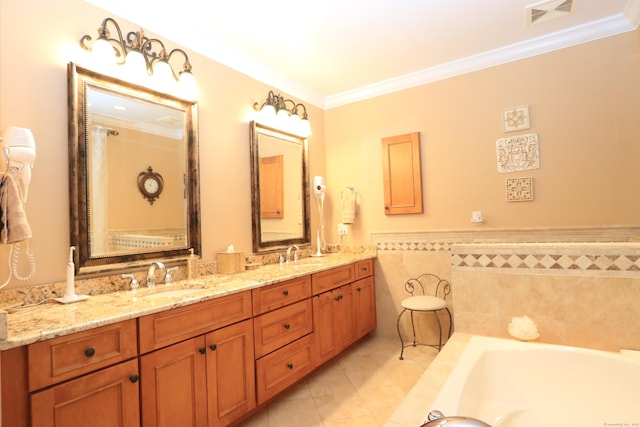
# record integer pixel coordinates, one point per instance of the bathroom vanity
(204, 358)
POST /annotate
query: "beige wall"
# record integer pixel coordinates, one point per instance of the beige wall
(584, 103)
(34, 51)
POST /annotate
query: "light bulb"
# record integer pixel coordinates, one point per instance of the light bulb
(294, 124)
(103, 53)
(163, 78)
(268, 115)
(305, 128)
(187, 85)
(135, 67)
(282, 119)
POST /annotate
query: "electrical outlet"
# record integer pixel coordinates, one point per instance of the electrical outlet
(343, 229)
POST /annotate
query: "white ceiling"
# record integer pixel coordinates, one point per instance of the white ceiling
(333, 52)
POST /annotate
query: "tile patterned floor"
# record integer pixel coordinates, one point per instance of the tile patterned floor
(361, 387)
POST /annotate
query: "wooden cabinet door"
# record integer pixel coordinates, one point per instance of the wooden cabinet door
(230, 373)
(346, 320)
(402, 174)
(334, 321)
(324, 325)
(174, 386)
(365, 299)
(107, 398)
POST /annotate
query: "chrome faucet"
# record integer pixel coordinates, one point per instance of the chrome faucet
(437, 419)
(295, 253)
(151, 274)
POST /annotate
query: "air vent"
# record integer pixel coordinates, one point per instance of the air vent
(548, 11)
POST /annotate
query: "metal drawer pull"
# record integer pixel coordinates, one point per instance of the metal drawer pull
(213, 347)
(89, 352)
(134, 378)
(290, 365)
(285, 293)
(202, 350)
(287, 326)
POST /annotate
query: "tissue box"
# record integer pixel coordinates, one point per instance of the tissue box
(230, 262)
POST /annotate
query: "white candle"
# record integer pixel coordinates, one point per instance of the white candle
(71, 291)
(318, 241)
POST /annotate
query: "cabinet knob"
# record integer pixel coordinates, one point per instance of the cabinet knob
(134, 378)
(290, 365)
(89, 352)
(358, 289)
(213, 347)
(285, 293)
(339, 297)
(202, 350)
(287, 326)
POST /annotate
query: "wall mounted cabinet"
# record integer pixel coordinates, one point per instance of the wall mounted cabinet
(402, 174)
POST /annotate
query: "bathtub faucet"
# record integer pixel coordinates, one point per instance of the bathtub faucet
(437, 419)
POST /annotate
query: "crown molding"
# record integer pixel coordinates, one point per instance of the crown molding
(610, 26)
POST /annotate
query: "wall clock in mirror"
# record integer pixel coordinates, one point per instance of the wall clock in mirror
(150, 184)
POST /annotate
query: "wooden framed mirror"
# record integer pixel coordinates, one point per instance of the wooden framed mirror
(279, 189)
(117, 132)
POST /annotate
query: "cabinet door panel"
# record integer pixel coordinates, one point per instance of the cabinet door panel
(174, 387)
(230, 373)
(402, 174)
(365, 295)
(106, 398)
(345, 316)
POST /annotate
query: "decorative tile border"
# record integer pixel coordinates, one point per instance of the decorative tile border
(584, 251)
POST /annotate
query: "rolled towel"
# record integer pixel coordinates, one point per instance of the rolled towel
(348, 206)
(13, 219)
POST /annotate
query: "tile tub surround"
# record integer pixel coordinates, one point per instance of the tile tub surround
(51, 319)
(580, 293)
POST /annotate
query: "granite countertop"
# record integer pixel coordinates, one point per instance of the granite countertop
(52, 319)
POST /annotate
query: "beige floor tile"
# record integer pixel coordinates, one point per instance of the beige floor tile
(330, 383)
(288, 413)
(340, 405)
(359, 421)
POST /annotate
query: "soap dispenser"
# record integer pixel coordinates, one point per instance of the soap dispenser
(192, 265)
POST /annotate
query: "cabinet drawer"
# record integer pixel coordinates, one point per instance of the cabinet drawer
(61, 358)
(168, 327)
(280, 327)
(330, 279)
(275, 296)
(283, 368)
(364, 269)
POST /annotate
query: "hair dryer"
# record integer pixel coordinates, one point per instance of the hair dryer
(319, 189)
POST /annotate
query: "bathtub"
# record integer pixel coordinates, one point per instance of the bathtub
(509, 383)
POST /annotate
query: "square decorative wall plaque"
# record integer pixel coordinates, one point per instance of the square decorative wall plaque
(515, 118)
(518, 153)
(519, 189)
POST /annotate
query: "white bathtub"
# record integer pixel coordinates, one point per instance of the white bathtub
(507, 383)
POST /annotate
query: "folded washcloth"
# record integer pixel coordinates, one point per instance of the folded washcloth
(13, 219)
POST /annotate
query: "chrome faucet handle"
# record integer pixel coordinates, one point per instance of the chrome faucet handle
(134, 285)
(437, 419)
(168, 277)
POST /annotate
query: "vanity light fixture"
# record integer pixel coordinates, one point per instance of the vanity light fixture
(284, 114)
(142, 57)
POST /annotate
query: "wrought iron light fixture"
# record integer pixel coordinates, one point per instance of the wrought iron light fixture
(284, 114)
(141, 56)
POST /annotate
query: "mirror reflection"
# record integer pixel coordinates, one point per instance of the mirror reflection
(133, 177)
(280, 196)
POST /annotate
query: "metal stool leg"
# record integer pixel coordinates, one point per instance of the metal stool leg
(435, 313)
(413, 329)
(400, 335)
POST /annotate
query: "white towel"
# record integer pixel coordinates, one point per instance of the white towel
(348, 206)
(13, 219)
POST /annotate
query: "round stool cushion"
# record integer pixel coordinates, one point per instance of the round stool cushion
(424, 303)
